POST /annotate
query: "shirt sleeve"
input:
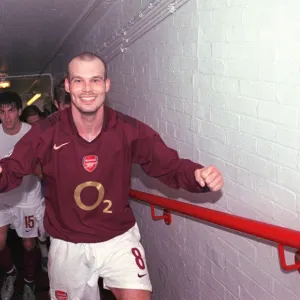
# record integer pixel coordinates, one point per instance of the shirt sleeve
(22, 161)
(163, 163)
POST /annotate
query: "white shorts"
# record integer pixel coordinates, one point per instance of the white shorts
(27, 221)
(74, 269)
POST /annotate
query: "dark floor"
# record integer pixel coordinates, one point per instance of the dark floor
(42, 282)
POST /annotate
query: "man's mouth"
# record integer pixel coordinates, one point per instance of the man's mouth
(88, 98)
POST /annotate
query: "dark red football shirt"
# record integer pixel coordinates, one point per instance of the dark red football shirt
(87, 183)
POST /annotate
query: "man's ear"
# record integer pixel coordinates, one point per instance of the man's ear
(107, 85)
(67, 85)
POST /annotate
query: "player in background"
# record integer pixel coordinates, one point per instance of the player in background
(22, 208)
(61, 98)
(31, 115)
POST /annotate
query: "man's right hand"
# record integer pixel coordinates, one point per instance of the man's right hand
(0, 170)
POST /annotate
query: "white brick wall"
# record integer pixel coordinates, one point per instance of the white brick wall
(219, 80)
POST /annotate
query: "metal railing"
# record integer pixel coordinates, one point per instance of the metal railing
(280, 235)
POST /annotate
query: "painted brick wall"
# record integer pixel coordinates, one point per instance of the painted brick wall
(219, 80)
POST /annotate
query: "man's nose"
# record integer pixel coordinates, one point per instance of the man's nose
(86, 87)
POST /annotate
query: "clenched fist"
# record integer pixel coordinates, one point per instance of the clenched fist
(210, 177)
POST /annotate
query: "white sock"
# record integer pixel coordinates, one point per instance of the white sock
(27, 281)
(12, 270)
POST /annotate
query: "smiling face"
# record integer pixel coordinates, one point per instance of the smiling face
(87, 85)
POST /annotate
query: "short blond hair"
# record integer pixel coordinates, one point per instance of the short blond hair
(88, 56)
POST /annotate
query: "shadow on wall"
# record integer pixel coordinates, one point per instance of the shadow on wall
(154, 184)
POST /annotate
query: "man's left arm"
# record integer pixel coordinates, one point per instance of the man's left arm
(163, 163)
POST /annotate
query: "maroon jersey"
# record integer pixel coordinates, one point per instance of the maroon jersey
(87, 183)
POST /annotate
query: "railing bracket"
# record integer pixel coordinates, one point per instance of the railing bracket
(282, 260)
(297, 259)
(166, 215)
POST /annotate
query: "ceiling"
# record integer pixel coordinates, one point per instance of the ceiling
(33, 33)
(32, 30)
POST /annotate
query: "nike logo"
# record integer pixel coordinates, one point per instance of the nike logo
(58, 147)
(140, 276)
(27, 230)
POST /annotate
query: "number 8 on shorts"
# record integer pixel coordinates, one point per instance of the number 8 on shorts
(138, 258)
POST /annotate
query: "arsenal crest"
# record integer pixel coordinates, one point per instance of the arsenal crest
(90, 162)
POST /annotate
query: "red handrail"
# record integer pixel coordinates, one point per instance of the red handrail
(282, 236)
